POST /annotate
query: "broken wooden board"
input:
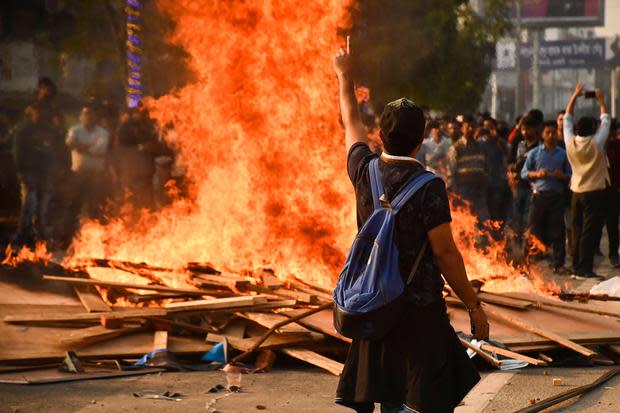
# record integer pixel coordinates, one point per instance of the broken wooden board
(83, 337)
(42, 344)
(575, 326)
(217, 303)
(133, 286)
(230, 281)
(56, 318)
(90, 298)
(315, 359)
(275, 341)
(160, 340)
(321, 322)
(269, 320)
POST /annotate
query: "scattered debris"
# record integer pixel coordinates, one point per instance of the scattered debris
(167, 395)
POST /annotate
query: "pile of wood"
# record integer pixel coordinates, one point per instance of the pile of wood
(260, 316)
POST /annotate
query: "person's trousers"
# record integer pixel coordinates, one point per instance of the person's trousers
(612, 220)
(546, 222)
(520, 211)
(589, 212)
(36, 195)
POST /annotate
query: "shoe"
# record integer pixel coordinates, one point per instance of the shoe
(614, 261)
(561, 270)
(587, 275)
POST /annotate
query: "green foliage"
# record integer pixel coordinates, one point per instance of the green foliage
(437, 52)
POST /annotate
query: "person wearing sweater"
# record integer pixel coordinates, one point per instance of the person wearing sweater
(585, 148)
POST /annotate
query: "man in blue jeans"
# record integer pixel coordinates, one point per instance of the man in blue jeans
(548, 170)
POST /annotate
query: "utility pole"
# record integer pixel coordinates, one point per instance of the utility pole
(536, 35)
(518, 60)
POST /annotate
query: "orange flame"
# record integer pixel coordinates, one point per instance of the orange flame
(259, 135)
(39, 255)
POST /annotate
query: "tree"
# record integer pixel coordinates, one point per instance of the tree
(437, 52)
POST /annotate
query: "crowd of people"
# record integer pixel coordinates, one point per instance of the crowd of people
(68, 173)
(554, 183)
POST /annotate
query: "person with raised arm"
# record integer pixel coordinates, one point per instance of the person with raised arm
(420, 364)
(585, 148)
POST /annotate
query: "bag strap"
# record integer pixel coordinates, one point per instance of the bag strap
(375, 182)
(411, 188)
(416, 264)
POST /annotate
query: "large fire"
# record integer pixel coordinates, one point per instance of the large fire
(259, 135)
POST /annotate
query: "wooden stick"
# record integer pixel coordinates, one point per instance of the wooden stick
(511, 354)
(560, 304)
(480, 352)
(115, 284)
(569, 394)
(269, 332)
(315, 359)
(543, 333)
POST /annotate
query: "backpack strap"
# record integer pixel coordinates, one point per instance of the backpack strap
(375, 182)
(416, 264)
(411, 188)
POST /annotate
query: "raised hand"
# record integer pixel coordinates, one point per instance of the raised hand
(342, 60)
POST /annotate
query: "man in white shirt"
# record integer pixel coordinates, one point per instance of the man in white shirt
(435, 150)
(89, 145)
(585, 148)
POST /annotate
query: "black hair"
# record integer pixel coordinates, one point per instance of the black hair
(537, 115)
(468, 119)
(530, 121)
(49, 83)
(490, 119)
(550, 124)
(586, 126)
(402, 127)
(434, 124)
(562, 112)
(613, 126)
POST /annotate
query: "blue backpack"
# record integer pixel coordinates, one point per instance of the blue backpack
(369, 296)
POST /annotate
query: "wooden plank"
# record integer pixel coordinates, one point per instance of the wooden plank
(83, 337)
(160, 340)
(269, 320)
(235, 328)
(49, 317)
(90, 298)
(273, 342)
(230, 281)
(115, 284)
(42, 344)
(513, 355)
(541, 332)
(315, 359)
(321, 322)
(216, 303)
(499, 299)
(542, 301)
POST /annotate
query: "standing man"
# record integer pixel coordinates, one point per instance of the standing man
(498, 193)
(453, 130)
(89, 145)
(435, 150)
(39, 156)
(530, 130)
(419, 365)
(468, 170)
(547, 168)
(585, 147)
